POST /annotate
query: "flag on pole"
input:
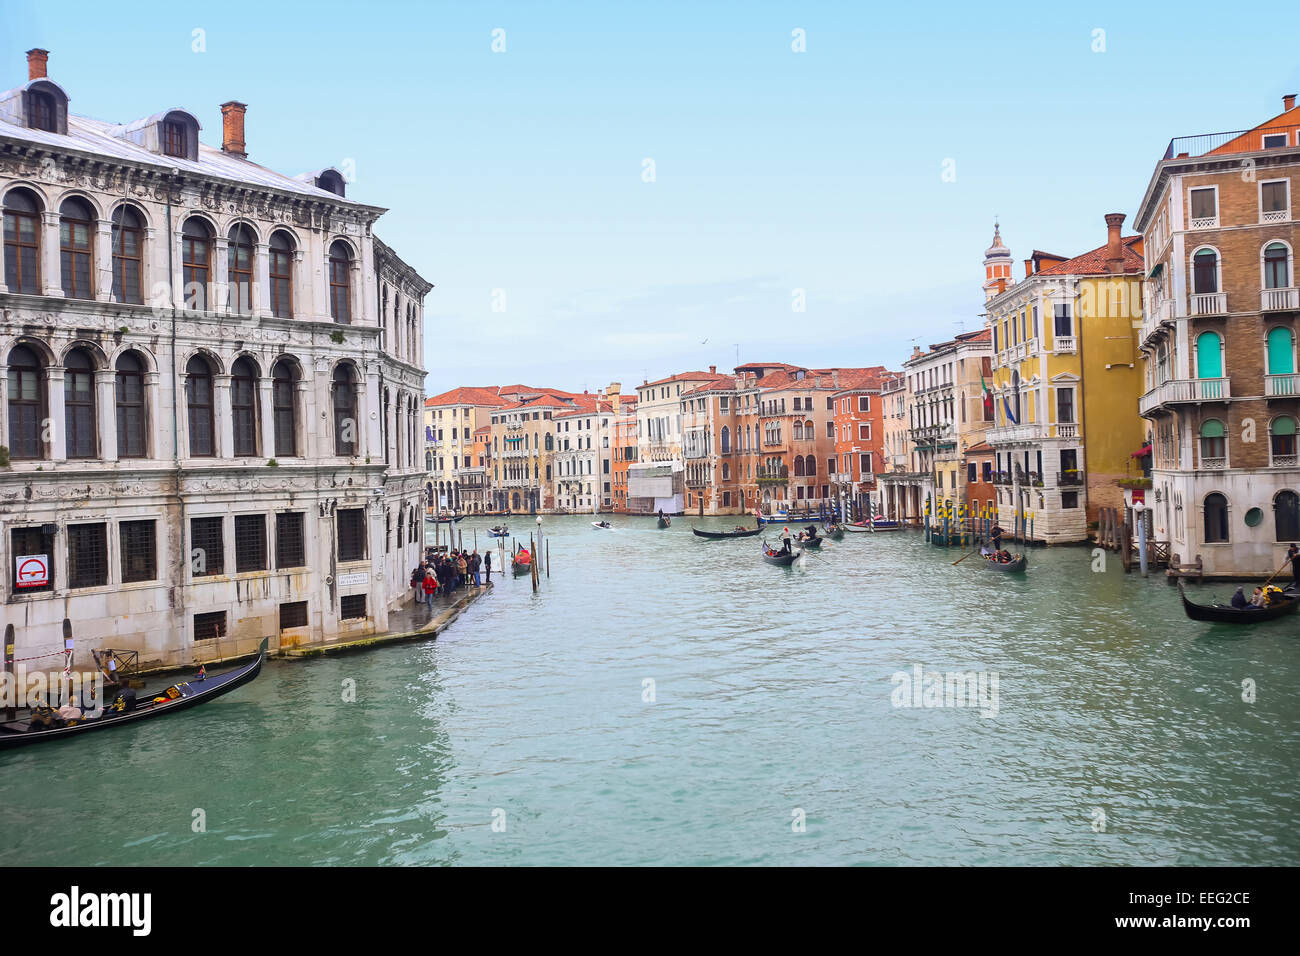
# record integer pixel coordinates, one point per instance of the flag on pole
(988, 397)
(1006, 406)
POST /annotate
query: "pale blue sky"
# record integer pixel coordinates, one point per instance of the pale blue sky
(775, 170)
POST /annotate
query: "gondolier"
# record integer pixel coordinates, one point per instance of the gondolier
(995, 537)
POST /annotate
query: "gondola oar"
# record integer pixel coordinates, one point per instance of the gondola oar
(965, 556)
(1276, 573)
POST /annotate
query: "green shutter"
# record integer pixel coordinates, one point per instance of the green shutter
(1280, 359)
(1209, 358)
(1212, 429)
(1284, 425)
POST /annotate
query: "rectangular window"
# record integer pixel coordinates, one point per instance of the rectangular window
(352, 606)
(987, 470)
(352, 534)
(1204, 203)
(87, 555)
(174, 139)
(1274, 140)
(138, 551)
(1069, 499)
(864, 462)
(830, 465)
(970, 471)
(1274, 200)
(864, 403)
(864, 431)
(250, 543)
(207, 556)
(210, 626)
(293, 614)
(1063, 324)
(830, 429)
(939, 475)
(1065, 405)
(29, 543)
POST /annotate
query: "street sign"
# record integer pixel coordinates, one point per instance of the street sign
(33, 571)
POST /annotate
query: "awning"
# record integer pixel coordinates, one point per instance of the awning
(1142, 452)
(1156, 271)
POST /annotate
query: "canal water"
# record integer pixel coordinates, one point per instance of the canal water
(669, 700)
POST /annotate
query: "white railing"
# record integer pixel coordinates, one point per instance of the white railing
(1016, 433)
(1179, 390)
(1273, 300)
(1283, 461)
(1280, 386)
(1275, 215)
(1214, 464)
(1067, 430)
(1064, 343)
(1209, 303)
(1206, 222)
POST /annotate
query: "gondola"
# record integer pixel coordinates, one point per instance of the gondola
(779, 558)
(664, 521)
(188, 694)
(499, 531)
(718, 535)
(1227, 614)
(602, 526)
(811, 543)
(521, 563)
(835, 532)
(1015, 565)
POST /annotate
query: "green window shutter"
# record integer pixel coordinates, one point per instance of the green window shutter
(1283, 425)
(1280, 359)
(1209, 357)
(1212, 429)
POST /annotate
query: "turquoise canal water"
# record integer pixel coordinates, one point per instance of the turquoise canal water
(771, 705)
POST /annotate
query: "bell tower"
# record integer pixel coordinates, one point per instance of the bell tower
(997, 266)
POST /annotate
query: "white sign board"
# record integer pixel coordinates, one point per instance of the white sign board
(33, 571)
(356, 577)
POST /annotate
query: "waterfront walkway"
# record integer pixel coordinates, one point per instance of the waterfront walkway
(415, 621)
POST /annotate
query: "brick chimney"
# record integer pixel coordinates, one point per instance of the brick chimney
(1029, 268)
(36, 60)
(1288, 101)
(232, 128)
(713, 370)
(1114, 248)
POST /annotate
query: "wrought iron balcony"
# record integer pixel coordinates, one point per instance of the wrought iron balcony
(1067, 478)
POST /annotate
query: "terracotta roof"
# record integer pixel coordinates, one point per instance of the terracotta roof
(1093, 262)
(983, 448)
(467, 395)
(684, 376)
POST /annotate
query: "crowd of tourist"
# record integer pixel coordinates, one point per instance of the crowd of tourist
(442, 572)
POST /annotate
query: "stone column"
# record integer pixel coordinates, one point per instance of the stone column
(300, 289)
(157, 431)
(219, 297)
(224, 424)
(4, 396)
(103, 260)
(105, 417)
(368, 412)
(266, 416)
(51, 270)
(304, 434)
(262, 280)
(57, 425)
(178, 285)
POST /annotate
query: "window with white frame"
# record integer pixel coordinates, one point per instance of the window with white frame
(1275, 200)
(1273, 140)
(1204, 206)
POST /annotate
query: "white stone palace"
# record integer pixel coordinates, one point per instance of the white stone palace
(210, 392)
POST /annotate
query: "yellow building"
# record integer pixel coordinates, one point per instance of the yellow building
(453, 473)
(522, 454)
(1067, 376)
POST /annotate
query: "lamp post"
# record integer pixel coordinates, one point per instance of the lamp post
(1139, 509)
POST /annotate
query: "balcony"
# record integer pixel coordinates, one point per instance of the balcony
(1067, 479)
(1179, 391)
(1209, 303)
(1281, 386)
(1064, 343)
(773, 476)
(1278, 300)
(1001, 477)
(1214, 464)
(1157, 315)
(1236, 141)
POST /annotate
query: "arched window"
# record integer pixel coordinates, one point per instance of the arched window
(79, 404)
(1209, 355)
(239, 257)
(129, 388)
(810, 465)
(726, 439)
(198, 404)
(808, 432)
(22, 234)
(340, 282)
(1281, 440)
(76, 232)
(128, 255)
(284, 397)
(1286, 516)
(345, 411)
(196, 263)
(798, 431)
(243, 406)
(281, 275)
(1216, 518)
(26, 403)
(1212, 444)
(1205, 272)
(1281, 355)
(43, 111)
(798, 462)
(1277, 271)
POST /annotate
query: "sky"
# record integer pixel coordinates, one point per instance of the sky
(608, 192)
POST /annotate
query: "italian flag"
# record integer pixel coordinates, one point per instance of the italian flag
(988, 398)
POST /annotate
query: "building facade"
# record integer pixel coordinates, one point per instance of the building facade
(209, 395)
(455, 478)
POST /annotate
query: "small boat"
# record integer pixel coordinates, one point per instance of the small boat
(780, 557)
(521, 563)
(1016, 565)
(812, 542)
(498, 531)
(835, 532)
(444, 519)
(179, 696)
(718, 535)
(602, 526)
(664, 521)
(1227, 614)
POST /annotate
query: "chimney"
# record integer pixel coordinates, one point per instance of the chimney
(1288, 102)
(1029, 268)
(232, 128)
(713, 370)
(1114, 248)
(36, 60)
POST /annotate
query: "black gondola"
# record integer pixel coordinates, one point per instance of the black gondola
(812, 543)
(716, 535)
(1227, 614)
(1016, 565)
(779, 557)
(188, 694)
(664, 521)
(834, 532)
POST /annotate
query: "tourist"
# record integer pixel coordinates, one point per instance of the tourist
(69, 711)
(1239, 600)
(417, 580)
(487, 565)
(1260, 599)
(430, 587)
(474, 562)
(462, 569)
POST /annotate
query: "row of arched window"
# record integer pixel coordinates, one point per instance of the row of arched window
(1211, 354)
(1281, 442)
(31, 435)
(805, 466)
(1286, 517)
(78, 224)
(1275, 261)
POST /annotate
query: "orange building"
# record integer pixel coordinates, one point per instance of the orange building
(623, 451)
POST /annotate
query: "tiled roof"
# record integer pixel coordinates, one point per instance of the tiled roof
(684, 376)
(1094, 261)
(467, 395)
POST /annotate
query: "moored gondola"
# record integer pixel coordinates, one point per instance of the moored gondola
(717, 535)
(1227, 614)
(779, 557)
(179, 696)
(498, 531)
